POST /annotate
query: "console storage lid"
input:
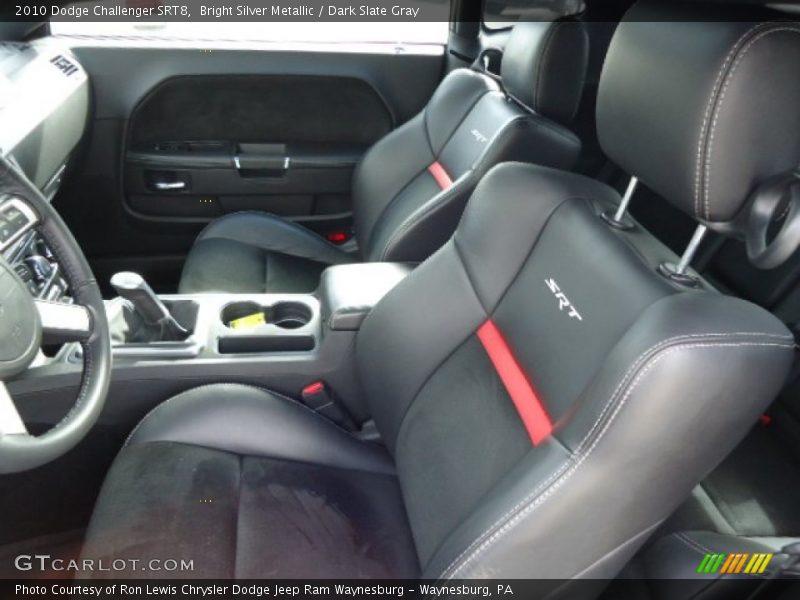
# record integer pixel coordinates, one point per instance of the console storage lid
(349, 292)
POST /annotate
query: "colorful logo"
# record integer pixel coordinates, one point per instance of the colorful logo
(728, 564)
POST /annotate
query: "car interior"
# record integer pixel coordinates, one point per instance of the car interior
(520, 304)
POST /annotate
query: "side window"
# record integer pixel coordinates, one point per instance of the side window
(233, 28)
(502, 14)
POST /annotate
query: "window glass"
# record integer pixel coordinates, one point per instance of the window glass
(502, 14)
(328, 32)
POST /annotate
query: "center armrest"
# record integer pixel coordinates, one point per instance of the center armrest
(349, 292)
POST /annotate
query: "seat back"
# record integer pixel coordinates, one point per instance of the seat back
(411, 187)
(549, 396)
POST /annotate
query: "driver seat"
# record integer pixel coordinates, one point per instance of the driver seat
(545, 396)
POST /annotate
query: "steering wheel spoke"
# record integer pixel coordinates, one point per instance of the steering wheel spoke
(62, 323)
(10, 421)
(26, 323)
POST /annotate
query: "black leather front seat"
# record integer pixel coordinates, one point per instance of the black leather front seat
(410, 189)
(546, 398)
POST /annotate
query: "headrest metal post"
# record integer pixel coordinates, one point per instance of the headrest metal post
(691, 249)
(626, 199)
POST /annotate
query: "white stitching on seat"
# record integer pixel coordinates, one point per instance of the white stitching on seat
(443, 198)
(707, 115)
(520, 515)
(542, 62)
(636, 363)
(289, 399)
(718, 109)
(537, 501)
(692, 543)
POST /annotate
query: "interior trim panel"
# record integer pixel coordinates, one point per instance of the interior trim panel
(44, 102)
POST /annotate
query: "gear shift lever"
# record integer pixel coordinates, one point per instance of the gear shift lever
(133, 288)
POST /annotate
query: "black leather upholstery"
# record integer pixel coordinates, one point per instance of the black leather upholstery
(349, 292)
(644, 385)
(686, 120)
(256, 252)
(550, 79)
(468, 127)
(253, 485)
(648, 365)
(654, 380)
(401, 212)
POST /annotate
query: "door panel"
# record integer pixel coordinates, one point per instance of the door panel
(285, 144)
(172, 114)
(255, 108)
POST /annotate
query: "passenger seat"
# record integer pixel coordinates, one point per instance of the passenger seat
(411, 187)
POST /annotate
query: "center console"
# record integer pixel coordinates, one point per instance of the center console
(241, 325)
(219, 326)
(283, 342)
(298, 345)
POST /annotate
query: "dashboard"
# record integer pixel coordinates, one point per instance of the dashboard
(44, 103)
(26, 251)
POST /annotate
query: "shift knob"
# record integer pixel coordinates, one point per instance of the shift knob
(134, 289)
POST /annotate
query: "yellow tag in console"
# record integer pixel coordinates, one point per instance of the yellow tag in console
(249, 322)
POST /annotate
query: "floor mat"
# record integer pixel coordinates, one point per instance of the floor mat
(17, 560)
(755, 491)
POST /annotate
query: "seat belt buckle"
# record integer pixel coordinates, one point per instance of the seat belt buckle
(321, 399)
(338, 237)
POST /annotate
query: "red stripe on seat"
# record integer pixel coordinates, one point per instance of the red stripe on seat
(522, 392)
(440, 175)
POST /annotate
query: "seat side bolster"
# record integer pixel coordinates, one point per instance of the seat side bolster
(452, 101)
(397, 160)
(527, 139)
(646, 403)
(252, 421)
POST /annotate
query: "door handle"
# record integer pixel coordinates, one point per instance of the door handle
(172, 186)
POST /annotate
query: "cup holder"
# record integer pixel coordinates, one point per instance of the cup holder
(289, 315)
(239, 310)
(286, 315)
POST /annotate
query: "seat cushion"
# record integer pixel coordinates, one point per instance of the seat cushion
(220, 265)
(256, 253)
(248, 484)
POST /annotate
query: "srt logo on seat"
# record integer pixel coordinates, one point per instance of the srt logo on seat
(563, 301)
(479, 136)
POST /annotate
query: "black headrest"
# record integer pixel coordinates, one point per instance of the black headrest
(544, 66)
(702, 104)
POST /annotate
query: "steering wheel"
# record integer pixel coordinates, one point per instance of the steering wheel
(24, 321)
